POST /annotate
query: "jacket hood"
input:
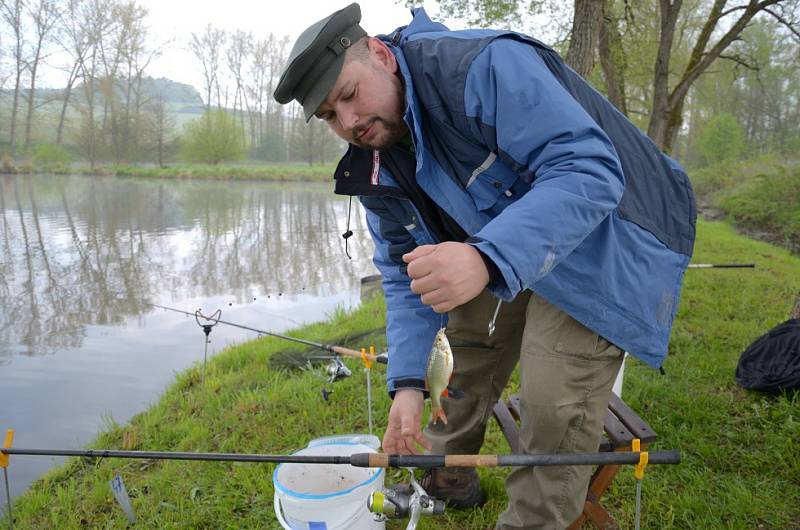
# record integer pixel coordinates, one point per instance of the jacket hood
(420, 23)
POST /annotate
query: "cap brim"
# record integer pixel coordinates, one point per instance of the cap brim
(325, 83)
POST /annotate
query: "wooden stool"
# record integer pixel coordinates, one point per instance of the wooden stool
(622, 425)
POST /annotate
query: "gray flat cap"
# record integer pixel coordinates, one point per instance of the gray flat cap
(317, 58)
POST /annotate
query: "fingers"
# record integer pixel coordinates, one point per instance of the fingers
(439, 300)
(396, 443)
(422, 250)
(403, 434)
(423, 441)
(419, 268)
(425, 284)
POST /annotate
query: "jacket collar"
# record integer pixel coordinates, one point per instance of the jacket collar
(359, 173)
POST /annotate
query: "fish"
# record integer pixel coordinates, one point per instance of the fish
(438, 373)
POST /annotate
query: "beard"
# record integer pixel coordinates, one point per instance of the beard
(385, 133)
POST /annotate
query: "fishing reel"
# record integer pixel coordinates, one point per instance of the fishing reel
(413, 502)
(336, 371)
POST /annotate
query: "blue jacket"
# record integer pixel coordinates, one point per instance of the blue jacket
(550, 181)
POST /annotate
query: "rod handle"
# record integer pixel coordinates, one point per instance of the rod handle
(347, 352)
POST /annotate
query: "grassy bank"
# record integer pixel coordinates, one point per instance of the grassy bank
(760, 197)
(740, 449)
(294, 173)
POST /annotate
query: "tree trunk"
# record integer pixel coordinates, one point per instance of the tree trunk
(612, 57)
(11, 13)
(31, 94)
(67, 92)
(14, 105)
(657, 129)
(583, 38)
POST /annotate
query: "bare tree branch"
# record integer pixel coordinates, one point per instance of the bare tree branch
(788, 24)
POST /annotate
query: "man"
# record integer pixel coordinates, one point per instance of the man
(489, 170)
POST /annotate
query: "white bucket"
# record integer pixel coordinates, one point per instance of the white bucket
(370, 440)
(326, 496)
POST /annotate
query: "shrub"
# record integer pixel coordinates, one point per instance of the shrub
(49, 155)
(213, 138)
(721, 140)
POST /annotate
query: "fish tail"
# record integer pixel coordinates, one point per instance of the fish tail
(437, 412)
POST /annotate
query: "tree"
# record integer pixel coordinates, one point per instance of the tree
(11, 13)
(207, 47)
(239, 47)
(95, 21)
(212, 139)
(722, 24)
(75, 40)
(159, 125)
(722, 139)
(667, 115)
(313, 141)
(44, 14)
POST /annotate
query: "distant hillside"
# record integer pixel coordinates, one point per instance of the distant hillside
(172, 91)
(178, 94)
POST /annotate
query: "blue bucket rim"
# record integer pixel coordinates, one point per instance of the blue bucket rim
(320, 496)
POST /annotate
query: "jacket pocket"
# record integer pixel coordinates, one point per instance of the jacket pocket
(575, 339)
(492, 183)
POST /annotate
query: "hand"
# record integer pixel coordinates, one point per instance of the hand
(403, 433)
(446, 275)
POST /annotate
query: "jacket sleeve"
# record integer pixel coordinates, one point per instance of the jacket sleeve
(411, 326)
(521, 112)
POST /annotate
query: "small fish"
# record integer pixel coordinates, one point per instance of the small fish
(437, 376)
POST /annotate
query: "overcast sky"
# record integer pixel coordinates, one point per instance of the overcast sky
(178, 19)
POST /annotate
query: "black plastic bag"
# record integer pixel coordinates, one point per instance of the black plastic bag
(772, 363)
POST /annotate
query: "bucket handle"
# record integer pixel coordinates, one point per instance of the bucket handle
(282, 521)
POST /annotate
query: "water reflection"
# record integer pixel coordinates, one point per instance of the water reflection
(85, 251)
(80, 257)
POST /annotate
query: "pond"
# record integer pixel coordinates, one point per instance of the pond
(81, 259)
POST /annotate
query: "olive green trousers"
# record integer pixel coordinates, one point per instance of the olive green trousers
(566, 375)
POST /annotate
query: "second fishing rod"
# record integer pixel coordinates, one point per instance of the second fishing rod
(338, 350)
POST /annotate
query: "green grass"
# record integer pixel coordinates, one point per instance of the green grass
(741, 450)
(761, 195)
(294, 173)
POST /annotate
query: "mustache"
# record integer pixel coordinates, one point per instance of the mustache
(360, 129)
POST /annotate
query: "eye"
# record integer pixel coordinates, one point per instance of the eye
(350, 94)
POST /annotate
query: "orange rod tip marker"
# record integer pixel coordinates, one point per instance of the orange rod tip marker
(367, 360)
(643, 459)
(6, 445)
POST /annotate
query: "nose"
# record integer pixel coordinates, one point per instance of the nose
(348, 118)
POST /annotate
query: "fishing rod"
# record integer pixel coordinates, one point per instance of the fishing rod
(376, 460)
(339, 350)
(722, 265)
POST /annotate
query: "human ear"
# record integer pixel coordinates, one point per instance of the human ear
(382, 54)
